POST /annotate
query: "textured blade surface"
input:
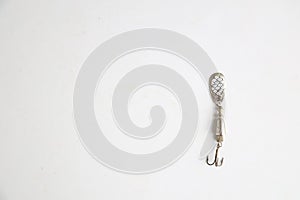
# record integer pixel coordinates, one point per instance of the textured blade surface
(217, 87)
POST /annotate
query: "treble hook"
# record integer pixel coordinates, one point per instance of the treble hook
(216, 161)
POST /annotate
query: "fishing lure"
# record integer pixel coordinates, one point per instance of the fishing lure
(217, 87)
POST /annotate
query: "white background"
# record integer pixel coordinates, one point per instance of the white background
(43, 45)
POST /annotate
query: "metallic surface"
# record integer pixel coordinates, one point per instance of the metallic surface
(217, 87)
